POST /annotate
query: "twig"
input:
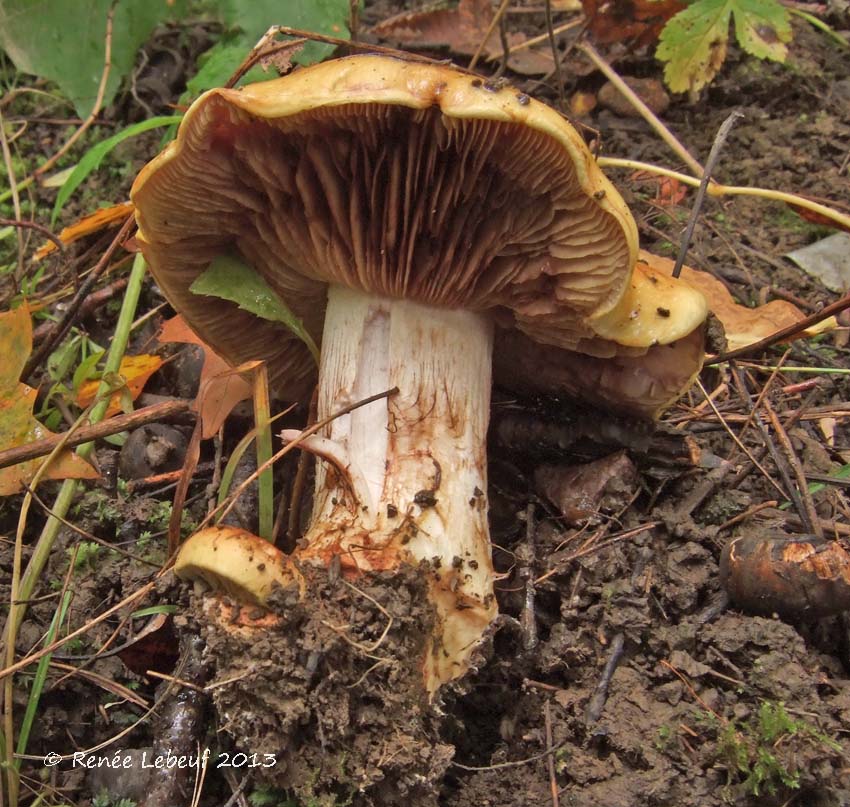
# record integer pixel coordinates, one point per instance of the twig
(716, 189)
(550, 31)
(39, 228)
(713, 157)
(785, 334)
(92, 302)
(646, 113)
(550, 760)
(114, 425)
(64, 324)
(737, 441)
(299, 484)
(525, 572)
(16, 199)
(807, 513)
(87, 535)
(597, 702)
(101, 91)
(517, 764)
(493, 23)
(227, 505)
(354, 19)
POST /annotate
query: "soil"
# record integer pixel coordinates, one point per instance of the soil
(622, 676)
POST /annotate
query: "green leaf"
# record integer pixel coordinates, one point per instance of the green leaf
(250, 19)
(95, 155)
(763, 28)
(230, 278)
(694, 42)
(64, 40)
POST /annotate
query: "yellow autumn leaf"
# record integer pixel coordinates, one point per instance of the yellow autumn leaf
(135, 371)
(18, 426)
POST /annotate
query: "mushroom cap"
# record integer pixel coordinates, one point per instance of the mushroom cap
(236, 562)
(401, 178)
(615, 367)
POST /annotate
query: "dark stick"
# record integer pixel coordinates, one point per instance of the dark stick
(550, 760)
(792, 330)
(180, 728)
(93, 301)
(600, 695)
(39, 228)
(713, 155)
(70, 315)
(525, 572)
(555, 56)
(113, 425)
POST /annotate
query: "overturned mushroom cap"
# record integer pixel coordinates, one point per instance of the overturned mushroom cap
(402, 179)
(619, 372)
(233, 561)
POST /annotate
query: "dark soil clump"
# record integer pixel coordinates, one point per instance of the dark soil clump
(332, 685)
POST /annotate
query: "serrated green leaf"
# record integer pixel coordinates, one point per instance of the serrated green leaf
(94, 156)
(763, 27)
(63, 40)
(694, 42)
(230, 278)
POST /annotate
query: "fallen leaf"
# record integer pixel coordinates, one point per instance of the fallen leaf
(17, 424)
(462, 30)
(99, 220)
(221, 388)
(634, 22)
(583, 492)
(695, 41)
(743, 325)
(135, 370)
(827, 260)
(156, 647)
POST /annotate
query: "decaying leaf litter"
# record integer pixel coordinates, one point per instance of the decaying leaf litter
(701, 703)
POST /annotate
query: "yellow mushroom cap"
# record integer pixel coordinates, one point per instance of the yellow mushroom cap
(235, 562)
(399, 178)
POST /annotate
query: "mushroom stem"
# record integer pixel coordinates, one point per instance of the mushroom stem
(421, 453)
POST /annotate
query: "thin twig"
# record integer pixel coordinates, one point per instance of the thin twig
(493, 23)
(741, 446)
(39, 228)
(113, 425)
(807, 513)
(716, 189)
(550, 31)
(227, 505)
(785, 334)
(550, 760)
(101, 91)
(713, 157)
(64, 324)
(16, 199)
(646, 113)
(517, 764)
(600, 695)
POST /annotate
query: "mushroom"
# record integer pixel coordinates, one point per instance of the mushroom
(620, 373)
(404, 208)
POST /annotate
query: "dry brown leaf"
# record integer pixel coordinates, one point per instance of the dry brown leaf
(744, 326)
(221, 387)
(634, 22)
(462, 29)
